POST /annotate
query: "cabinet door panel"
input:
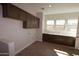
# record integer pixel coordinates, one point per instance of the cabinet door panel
(31, 23)
(37, 22)
(58, 39)
(11, 11)
(22, 15)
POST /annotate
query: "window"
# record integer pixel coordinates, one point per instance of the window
(60, 22)
(50, 25)
(50, 22)
(72, 21)
(62, 26)
(72, 25)
(55, 25)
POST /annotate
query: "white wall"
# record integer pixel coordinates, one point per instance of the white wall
(62, 15)
(39, 36)
(77, 38)
(12, 30)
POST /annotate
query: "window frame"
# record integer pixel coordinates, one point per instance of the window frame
(54, 26)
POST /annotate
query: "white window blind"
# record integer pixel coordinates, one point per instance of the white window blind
(66, 26)
(60, 22)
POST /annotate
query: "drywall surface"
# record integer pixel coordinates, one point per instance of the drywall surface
(12, 30)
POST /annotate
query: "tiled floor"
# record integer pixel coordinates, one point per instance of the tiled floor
(48, 49)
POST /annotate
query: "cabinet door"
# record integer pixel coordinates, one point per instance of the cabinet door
(24, 24)
(30, 23)
(37, 22)
(22, 15)
(10, 11)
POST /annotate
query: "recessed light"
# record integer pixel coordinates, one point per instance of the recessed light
(42, 8)
(50, 5)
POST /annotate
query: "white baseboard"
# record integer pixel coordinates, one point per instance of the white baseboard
(24, 47)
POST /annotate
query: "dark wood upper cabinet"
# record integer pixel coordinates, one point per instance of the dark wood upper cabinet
(11, 11)
(22, 15)
(31, 23)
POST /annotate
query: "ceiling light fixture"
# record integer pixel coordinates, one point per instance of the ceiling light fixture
(42, 8)
(50, 5)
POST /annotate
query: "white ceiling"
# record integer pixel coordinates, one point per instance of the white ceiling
(33, 8)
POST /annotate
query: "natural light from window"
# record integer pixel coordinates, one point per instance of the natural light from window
(60, 22)
(61, 53)
(66, 27)
(50, 22)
